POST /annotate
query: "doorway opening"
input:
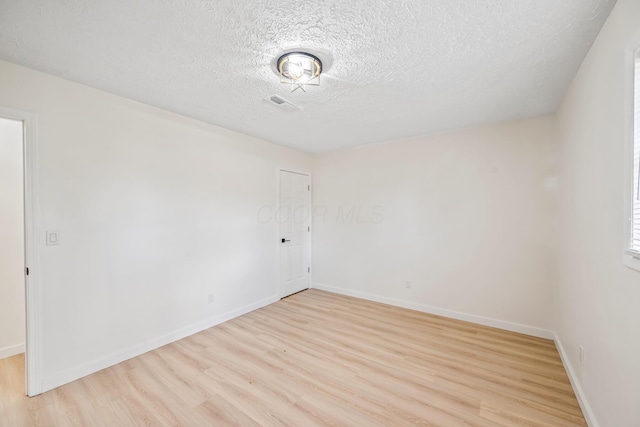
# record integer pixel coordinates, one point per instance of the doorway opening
(20, 329)
(12, 264)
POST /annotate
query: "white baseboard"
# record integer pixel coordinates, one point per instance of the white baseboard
(89, 368)
(481, 320)
(12, 350)
(587, 411)
(115, 358)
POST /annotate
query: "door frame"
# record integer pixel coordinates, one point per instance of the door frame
(309, 222)
(33, 308)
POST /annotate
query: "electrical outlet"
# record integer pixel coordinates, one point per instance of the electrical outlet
(581, 355)
(211, 297)
(407, 284)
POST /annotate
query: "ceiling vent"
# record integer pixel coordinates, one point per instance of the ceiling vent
(281, 103)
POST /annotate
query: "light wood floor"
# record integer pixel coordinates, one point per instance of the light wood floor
(314, 359)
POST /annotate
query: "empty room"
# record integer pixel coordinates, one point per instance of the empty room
(364, 213)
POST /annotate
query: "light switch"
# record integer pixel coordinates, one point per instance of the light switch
(53, 237)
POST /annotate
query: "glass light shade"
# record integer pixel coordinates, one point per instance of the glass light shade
(299, 69)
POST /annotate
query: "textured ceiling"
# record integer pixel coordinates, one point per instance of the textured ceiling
(398, 68)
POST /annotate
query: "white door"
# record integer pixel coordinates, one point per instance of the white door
(294, 216)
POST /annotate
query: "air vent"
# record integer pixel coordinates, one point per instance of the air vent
(281, 103)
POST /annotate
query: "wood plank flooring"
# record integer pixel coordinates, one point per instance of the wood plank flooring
(316, 359)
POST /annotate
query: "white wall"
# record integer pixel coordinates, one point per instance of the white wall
(12, 319)
(598, 298)
(155, 211)
(466, 216)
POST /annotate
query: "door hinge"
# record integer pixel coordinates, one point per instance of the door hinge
(309, 187)
(308, 269)
(26, 271)
(309, 228)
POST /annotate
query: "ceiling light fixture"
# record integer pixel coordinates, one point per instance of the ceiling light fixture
(299, 69)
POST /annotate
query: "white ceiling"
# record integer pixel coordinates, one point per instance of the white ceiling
(399, 68)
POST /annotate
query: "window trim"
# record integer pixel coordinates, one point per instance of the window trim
(631, 257)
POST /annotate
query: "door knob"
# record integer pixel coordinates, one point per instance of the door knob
(285, 240)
